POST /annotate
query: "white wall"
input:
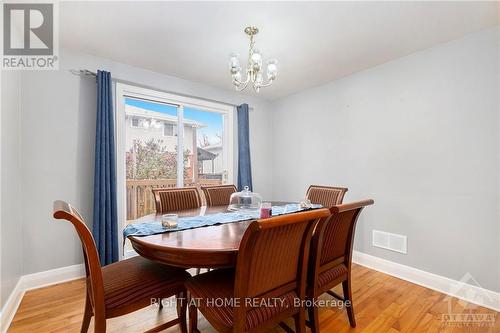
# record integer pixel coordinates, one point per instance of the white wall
(419, 135)
(11, 264)
(57, 148)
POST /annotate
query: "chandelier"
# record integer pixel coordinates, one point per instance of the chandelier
(254, 67)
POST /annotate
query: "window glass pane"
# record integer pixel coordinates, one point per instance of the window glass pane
(203, 145)
(168, 129)
(150, 153)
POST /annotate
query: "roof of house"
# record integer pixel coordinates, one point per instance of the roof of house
(205, 155)
(131, 110)
(214, 146)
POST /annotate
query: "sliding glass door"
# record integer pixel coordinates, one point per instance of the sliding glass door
(205, 136)
(165, 140)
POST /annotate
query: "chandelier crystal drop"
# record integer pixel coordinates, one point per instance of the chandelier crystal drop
(254, 70)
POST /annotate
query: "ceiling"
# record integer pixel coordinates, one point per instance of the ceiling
(314, 42)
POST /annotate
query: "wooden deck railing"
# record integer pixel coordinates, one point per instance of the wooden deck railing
(140, 199)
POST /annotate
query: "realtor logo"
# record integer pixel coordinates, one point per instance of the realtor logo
(29, 36)
(465, 313)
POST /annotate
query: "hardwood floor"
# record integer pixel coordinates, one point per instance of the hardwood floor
(382, 304)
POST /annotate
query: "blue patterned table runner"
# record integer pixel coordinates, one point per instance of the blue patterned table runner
(191, 222)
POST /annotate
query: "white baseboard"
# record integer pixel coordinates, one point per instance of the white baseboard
(462, 289)
(34, 281)
(10, 307)
(53, 276)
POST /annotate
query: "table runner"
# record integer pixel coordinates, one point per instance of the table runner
(191, 222)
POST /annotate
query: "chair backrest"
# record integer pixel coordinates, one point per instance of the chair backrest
(64, 211)
(327, 196)
(218, 195)
(272, 259)
(334, 237)
(175, 199)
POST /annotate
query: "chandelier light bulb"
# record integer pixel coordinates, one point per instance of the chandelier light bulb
(272, 69)
(234, 63)
(237, 76)
(259, 79)
(235, 70)
(256, 57)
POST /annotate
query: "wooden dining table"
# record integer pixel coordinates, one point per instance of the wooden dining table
(205, 247)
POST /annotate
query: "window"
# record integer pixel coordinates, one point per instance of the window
(134, 122)
(183, 141)
(168, 129)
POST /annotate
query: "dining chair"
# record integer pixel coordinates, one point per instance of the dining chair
(176, 199)
(271, 266)
(327, 196)
(125, 286)
(218, 195)
(331, 257)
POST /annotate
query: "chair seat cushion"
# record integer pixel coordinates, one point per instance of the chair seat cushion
(137, 280)
(219, 284)
(332, 274)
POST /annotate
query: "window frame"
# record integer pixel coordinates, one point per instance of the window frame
(123, 91)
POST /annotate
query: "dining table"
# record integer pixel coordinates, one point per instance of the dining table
(213, 246)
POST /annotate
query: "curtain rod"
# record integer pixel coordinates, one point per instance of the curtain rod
(86, 72)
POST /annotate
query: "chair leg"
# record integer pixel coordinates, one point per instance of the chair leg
(346, 287)
(198, 270)
(193, 318)
(87, 315)
(160, 306)
(300, 321)
(181, 311)
(99, 325)
(313, 319)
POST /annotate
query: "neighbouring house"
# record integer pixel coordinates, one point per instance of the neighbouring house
(145, 125)
(212, 163)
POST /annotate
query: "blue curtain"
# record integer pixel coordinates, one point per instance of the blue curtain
(244, 165)
(105, 227)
